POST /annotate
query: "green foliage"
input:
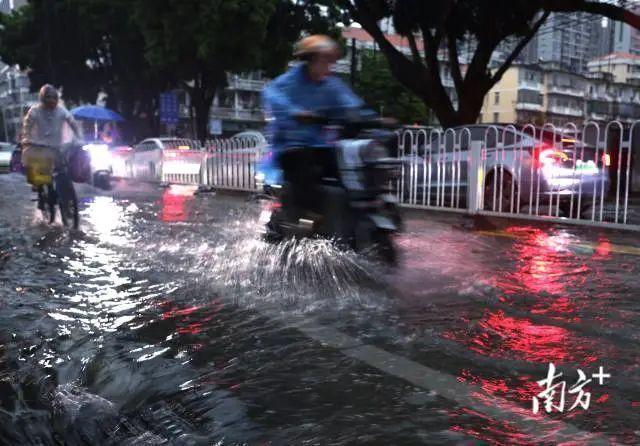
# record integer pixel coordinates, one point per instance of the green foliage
(380, 90)
(134, 49)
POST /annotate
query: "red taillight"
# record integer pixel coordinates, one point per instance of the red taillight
(547, 155)
(272, 205)
(606, 159)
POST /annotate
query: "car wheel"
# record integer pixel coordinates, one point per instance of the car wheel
(500, 194)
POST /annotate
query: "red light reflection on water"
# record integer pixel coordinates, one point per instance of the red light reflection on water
(501, 336)
(192, 320)
(174, 204)
(545, 264)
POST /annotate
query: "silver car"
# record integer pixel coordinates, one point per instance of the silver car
(519, 166)
(6, 152)
(147, 157)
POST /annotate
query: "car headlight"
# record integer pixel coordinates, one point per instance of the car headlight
(100, 156)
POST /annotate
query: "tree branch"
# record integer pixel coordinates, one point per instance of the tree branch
(403, 68)
(454, 63)
(616, 13)
(414, 49)
(518, 49)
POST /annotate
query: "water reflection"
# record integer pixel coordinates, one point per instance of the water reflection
(174, 203)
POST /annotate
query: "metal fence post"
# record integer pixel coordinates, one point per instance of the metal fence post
(475, 178)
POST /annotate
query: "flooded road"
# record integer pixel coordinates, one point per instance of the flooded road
(166, 320)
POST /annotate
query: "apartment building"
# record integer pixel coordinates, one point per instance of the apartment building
(548, 93)
(518, 97)
(15, 100)
(624, 67)
(238, 107)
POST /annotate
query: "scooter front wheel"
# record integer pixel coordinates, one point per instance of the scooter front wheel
(375, 243)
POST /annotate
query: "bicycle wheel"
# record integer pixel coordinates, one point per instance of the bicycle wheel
(67, 201)
(47, 202)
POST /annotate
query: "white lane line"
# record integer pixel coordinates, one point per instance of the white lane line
(471, 396)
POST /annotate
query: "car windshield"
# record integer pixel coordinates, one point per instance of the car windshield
(6, 148)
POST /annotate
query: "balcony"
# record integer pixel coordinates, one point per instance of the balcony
(237, 114)
(529, 106)
(566, 111)
(599, 116)
(343, 66)
(529, 85)
(239, 83)
(566, 91)
(598, 96)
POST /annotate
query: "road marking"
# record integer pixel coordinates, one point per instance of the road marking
(448, 386)
(618, 249)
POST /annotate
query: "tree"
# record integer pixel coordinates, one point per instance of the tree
(200, 41)
(86, 47)
(379, 89)
(39, 36)
(442, 26)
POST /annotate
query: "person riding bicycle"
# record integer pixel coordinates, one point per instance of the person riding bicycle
(43, 129)
(299, 94)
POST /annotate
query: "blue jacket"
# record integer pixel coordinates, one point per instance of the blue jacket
(294, 92)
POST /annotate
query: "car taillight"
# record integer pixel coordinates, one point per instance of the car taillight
(547, 155)
(606, 159)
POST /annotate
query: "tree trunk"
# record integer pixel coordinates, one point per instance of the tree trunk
(202, 105)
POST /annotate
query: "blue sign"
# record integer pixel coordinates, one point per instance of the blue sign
(169, 108)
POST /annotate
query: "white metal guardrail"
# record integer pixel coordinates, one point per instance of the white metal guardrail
(574, 174)
(571, 174)
(231, 163)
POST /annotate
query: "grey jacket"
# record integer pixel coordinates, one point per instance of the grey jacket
(51, 127)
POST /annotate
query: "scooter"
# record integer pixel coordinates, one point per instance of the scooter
(351, 191)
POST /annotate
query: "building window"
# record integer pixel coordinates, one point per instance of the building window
(496, 117)
(497, 98)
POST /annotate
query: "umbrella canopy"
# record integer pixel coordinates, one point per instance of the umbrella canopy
(96, 113)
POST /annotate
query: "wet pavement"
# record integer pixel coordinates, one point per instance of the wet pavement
(166, 320)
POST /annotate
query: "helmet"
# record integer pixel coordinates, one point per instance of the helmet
(46, 91)
(317, 44)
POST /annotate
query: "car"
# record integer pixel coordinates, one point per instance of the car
(521, 166)
(6, 153)
(146, 159)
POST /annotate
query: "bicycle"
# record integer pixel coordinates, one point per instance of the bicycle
(48, 172)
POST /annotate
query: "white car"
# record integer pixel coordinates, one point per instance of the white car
(6, 151)
(147, 157)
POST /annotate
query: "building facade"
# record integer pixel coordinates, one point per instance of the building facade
(625, 38)
(566, 40)
(6, 6)
(623, 67)
(238, 107)
(544, 93)
(15, 100)
(518, 97)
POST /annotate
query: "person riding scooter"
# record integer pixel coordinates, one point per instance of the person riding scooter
(300, 147)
